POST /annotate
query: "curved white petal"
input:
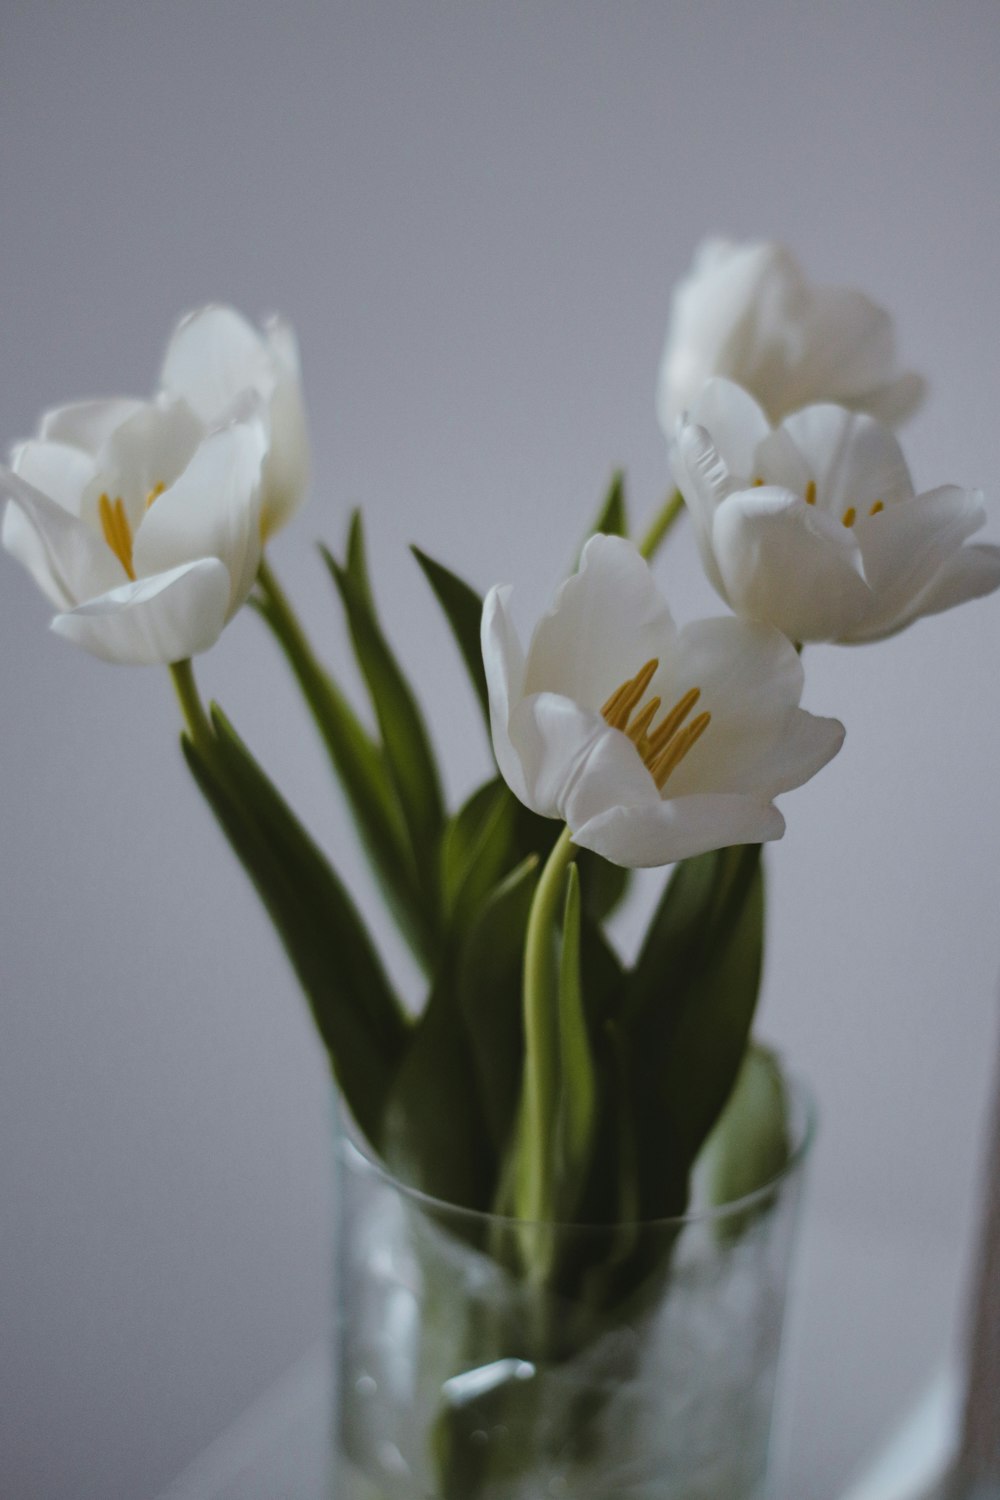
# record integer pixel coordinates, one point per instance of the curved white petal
(855, 461)
(552, 738)
(58, 470)
(736, 421)
(212, 510)
(910, 549)
(640, 837)
(747, 312)
(503, 661)
(67, 560)
(784, 563)
(742, 667)
(87, 424)
(142, 457)
(214, 355)
(606, 622)
(972, 573)
(286, 468)
(154, 621)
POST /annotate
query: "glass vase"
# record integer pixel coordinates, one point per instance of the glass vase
(641, 1366)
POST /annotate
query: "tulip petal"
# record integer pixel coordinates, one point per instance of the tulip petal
(87, 424)
(736, 422)
(785, 563)
(67, 560)
(214, 355)
(972, 573)
(854, 460)
(605, 624)
(56, 469)
(503, 661)
(640, 837)
(910, 549)
(143, 456)
(212, 510)
(286, 468)
(154, 621)
(552, 738)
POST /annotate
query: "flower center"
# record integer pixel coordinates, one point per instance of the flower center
(662, 749)
(116, 528)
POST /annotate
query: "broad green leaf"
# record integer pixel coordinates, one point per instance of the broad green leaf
(356, 1012)
(577, 1107)
(748, 1146)
(409, 758)
(360, 767)
(489, 990)
(435, 1134)
(688, 1010)
(463, 609)
(477, 851)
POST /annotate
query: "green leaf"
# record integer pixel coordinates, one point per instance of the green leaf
(360, 767)
(577, 1108)
(688, 1008)
(435, 1134)
(477, 851)
(410, 760)
(748, 1146)
(463, 609)
(357, 1014)
(611, 518)
(489, 990)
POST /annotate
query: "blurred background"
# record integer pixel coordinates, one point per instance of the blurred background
(473, 214)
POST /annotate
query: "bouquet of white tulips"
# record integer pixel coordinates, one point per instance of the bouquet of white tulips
(541, 1078)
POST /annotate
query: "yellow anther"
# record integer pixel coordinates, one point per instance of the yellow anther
(675, 718)
(619, 706)
(757, 483)
(850, 516)
(671, 756)
(811, 492)
(155, 493)
(117, 531)
(642, 723)
(876, 508)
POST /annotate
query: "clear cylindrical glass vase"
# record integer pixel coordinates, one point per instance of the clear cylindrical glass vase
(642, 1365)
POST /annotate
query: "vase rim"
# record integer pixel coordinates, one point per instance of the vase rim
(802, 1123)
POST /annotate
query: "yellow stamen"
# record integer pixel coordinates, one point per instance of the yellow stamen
(675, 718)
(664, 749)
(643, 722)
(811, 492)
(757, 483)
(876, 508)
(620, 705)
(670, 758)
(117, 531)
(155, 493)
(850, 516)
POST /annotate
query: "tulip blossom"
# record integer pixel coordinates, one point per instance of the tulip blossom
(747, 312)
(652, 743)
(814, 527)
(139, 526)
(216, 361)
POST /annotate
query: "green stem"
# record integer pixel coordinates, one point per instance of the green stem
(661, 524)
(285, 617)
(541, 1033)
(195, 716)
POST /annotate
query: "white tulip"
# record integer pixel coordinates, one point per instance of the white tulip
(216, 361)
(747, 312)
(650, 742)
(139, 526)
(814, 526)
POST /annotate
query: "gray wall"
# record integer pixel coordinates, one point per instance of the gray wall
(473, 214)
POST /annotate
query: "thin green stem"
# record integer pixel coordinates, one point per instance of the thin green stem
(661, 524)
(541, 1032)
(284, 615)
(194, 713)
